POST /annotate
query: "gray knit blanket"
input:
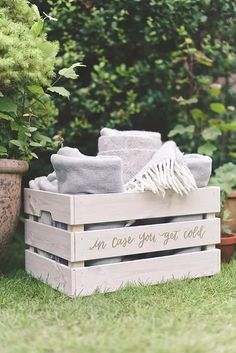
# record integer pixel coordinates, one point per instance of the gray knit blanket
(131, 161)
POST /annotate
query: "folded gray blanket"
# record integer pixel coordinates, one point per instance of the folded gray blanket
(200, 166)
(76, 173)
(135, 148)
(88, 175)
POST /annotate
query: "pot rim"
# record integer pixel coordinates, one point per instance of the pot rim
(13, 166)
(229, 239)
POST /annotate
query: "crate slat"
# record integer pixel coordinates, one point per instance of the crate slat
(126, 206)
(109, 278)
(141, 239)
(97, 208)
(56, 275)
(53, 240)
(60, 206)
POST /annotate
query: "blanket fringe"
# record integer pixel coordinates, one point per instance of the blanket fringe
(167, 175)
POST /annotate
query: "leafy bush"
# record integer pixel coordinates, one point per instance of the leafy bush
(27, 64)
(207, 117)
(139, 55)
(225, 177)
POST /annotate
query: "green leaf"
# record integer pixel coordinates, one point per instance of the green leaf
(201, 58)
(33, 129)
(70, 72)
(7, 105)
(35, 144)
(34, 155)
(3, 151)
(6, 117)
(16, 143)
(218, 107)
(215, 89)
(180, 130)
(1, 94)
(38, 90)
(197, 114)
(211, 133)
(36, 10)
(59, 90)
(37, 28)
(208, 149)
(48, 49)
(228, 126)
(189, 101)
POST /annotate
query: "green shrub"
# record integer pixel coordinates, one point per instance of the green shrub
(206, 100)
(27, 65)
(131, 50)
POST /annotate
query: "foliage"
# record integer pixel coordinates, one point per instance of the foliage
(27, 64)
(138, 56)
(225, 178)
(207, 117)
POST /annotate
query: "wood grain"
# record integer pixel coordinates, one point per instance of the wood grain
(60, 206)
(56, 275)
(142, 239)
(53, 240)
(97, 208)
(109, 278)
(126, 206)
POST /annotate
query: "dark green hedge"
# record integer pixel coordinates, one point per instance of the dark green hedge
(130, 49)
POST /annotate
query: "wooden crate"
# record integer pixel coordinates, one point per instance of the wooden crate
(75, 246)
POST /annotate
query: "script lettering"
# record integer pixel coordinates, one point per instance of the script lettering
(98, 245)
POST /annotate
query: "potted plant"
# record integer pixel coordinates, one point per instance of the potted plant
(225, 177)
(27, 66)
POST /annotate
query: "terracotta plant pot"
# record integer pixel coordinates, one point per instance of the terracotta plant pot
(10, 198)
(230, 205)
(227, 245)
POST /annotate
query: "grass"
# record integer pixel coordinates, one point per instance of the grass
(181, 316)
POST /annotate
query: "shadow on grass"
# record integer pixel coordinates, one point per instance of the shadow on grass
(14, 258)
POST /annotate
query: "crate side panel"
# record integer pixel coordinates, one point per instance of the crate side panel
(56, 275)
(60, 206)
(141, 239)
(53, 240)
(126, 206)
(108, 278)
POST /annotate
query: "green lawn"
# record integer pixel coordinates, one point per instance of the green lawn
(181, 316)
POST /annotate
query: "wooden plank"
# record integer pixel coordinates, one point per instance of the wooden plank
(54, 274)
(87, 209)
(77, 228)
(212, 245)
(108, 278)
(53, 240)
(126, 206)
(59, 205)
(141, 239)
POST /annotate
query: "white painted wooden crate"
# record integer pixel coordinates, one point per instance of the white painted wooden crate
(76, 246)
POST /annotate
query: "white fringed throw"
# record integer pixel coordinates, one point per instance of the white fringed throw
(166, 170)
